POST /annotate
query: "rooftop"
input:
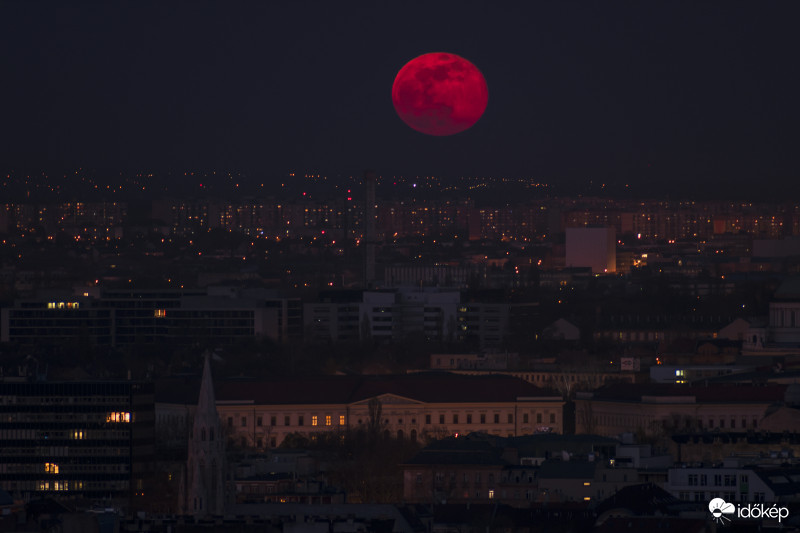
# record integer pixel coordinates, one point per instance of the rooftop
(422, 387)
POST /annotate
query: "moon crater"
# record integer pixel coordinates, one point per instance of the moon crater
(440, 94)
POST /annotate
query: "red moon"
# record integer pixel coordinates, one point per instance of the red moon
(440, 94)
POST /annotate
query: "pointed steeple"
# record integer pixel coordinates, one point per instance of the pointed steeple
(205, 468)
(206, 402)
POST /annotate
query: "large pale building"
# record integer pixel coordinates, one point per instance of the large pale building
(261, 414)
(592, 247)
(654, 408)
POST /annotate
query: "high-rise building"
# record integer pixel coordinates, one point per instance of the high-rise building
(592, 247)
(89, 440)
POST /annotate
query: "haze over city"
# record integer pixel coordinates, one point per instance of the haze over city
(677, 97)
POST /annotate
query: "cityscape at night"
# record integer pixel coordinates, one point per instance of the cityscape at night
(399, 268)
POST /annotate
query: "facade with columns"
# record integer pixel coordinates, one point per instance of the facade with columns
(261, 414)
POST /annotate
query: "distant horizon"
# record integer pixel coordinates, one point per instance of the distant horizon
(270, 183)
(694, 100)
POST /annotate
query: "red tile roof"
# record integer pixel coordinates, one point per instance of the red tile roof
(425, 387)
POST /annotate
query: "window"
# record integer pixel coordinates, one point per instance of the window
(496, 418)
(273, 420)
(313, 420)
(300, 420)
(286, 420)
(693, 480)
(552, 418)
(483, 418)
(491, 494)
(428, 419)
(717, 480)
(525, 418)
(244, 421)
(469, 419)
(538, 418)
(118, 416)
(441, 419)
(455, 418)
(510, 418)
(341, 420)
(703, 480)
(259, 421)
(230, 421)
(327, 420)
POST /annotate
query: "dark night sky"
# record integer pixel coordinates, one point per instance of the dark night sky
(691, 94)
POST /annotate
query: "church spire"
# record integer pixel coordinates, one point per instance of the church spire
(205, 468)
(206, 402)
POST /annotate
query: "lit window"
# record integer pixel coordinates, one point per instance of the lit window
(328, 420)
(51, 468)
(341, 420)
(314, 420)
(491, 494)
(118, 416)
(160, 313)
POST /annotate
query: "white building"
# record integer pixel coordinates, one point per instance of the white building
(592, 247)
(735, 481)
(781, 334)
(428, 313)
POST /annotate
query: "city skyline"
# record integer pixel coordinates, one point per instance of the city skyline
(665, 98)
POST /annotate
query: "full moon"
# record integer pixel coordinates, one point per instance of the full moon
(440, 94)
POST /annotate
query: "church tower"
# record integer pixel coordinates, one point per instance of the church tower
(204, 481)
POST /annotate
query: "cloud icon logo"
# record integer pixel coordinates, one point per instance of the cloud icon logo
(719, 508)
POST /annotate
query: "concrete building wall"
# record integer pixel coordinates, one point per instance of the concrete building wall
(592, 247)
